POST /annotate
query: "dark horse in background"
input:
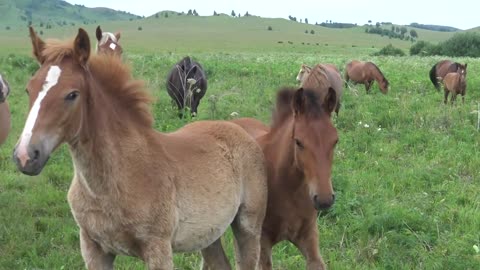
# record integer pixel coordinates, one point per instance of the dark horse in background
(5, 122)
(187, 84)
(441, 69)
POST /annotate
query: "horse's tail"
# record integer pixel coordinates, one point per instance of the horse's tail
(433, 77)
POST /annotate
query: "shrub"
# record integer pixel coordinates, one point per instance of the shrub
(7, 28)
(312, 32)
(270, 28)
(462, 44)
(419, 48)
(390, 50)
(140, 28)
(306, 31)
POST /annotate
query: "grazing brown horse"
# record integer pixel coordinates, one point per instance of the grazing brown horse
(107, 43)
(298, 148)
(136, 191)
(320, 78)
(5, 124)
(366, 73)
(440, 69)
(187, 84)
(455, 83)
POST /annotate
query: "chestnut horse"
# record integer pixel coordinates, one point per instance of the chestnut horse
(137, 191)
(5, 124)
(299, 148)
(455, 83)
(366, 73)
(187, 84)
(440, 69)
(107, 42)
(320, 78)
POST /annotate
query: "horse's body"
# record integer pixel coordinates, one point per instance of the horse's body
(298, 148)
(366, 73)
(136, 191)
(441, 69)
(187, 84)
(455, 83)
(107, 43)
(320, 78)
(5, 124)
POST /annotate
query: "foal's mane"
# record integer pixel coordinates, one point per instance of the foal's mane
(379, 71)
(317, 78)
(113, 75)
(283, 109)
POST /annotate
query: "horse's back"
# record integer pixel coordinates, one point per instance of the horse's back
(5, 124)
(253, 127)
(444, 67)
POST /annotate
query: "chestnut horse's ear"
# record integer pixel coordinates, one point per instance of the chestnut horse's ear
(98, 33)
(330, 101)
(117, 36)
(38, 45)
(81, 47)
(298, 102)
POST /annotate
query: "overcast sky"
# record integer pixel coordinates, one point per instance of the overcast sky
(462, 14)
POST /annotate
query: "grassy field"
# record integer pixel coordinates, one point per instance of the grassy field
(406, 170)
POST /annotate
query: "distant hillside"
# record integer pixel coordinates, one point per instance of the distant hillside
(432, 27)
(55, 12)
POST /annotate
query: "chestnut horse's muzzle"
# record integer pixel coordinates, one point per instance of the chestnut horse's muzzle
(32, 162)
(320, 204)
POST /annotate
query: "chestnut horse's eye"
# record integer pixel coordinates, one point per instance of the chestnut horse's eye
(72, 96)
(299, 143)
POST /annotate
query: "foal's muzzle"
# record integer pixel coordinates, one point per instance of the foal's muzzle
(322, 204)
(33, 163)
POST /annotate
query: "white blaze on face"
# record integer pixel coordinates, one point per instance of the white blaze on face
(112, 46)
(4, 87)
(50, 81)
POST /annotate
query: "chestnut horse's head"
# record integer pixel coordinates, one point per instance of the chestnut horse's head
(56, 92)
(314, 138)
(4, 89)
(107, 43)
(303, 72)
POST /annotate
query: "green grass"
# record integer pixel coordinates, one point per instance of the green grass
(407, 183)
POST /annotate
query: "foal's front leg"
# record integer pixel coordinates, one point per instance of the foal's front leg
(158, 255)
(93, 255)
(308, 246)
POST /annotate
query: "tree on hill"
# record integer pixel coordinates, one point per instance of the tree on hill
(189, 12)
(246, 14)
(233, 13)
(403, 30)
(306, 20)
(214, 13)
(166, 14)
(195, 13)
(413, 33)
(156, 15)
(369, 21)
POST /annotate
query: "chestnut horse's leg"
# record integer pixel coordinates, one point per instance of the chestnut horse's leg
(308, 246)
(158, 254)
(368, 84)
(265, 253)
(446, 96)
(93, 255)
(214, 257)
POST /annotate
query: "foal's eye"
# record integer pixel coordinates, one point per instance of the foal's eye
(299, 143)
(72, 96)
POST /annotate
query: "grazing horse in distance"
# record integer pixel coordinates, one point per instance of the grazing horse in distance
(441, 69)
(137, 191)
(107, 43)
(298, 147)
(187, 84)
(5, 122)
(321, 78)
(455, 83)
(366, 73)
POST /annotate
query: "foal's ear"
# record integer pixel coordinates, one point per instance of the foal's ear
(98, 33)
(330, 101)
(117, 36)
(38, 45)
(298, 102)
(81, 47)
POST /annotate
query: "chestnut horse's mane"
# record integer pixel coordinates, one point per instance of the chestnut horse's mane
(283, 109)
(379, 71)
(113, 75)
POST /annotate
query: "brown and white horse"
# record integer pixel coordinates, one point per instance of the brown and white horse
(5, 124)
(137, 191)
(298, 148)
(107, 43)
(455, 83)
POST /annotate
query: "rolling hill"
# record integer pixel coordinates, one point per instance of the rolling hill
(55, 13)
